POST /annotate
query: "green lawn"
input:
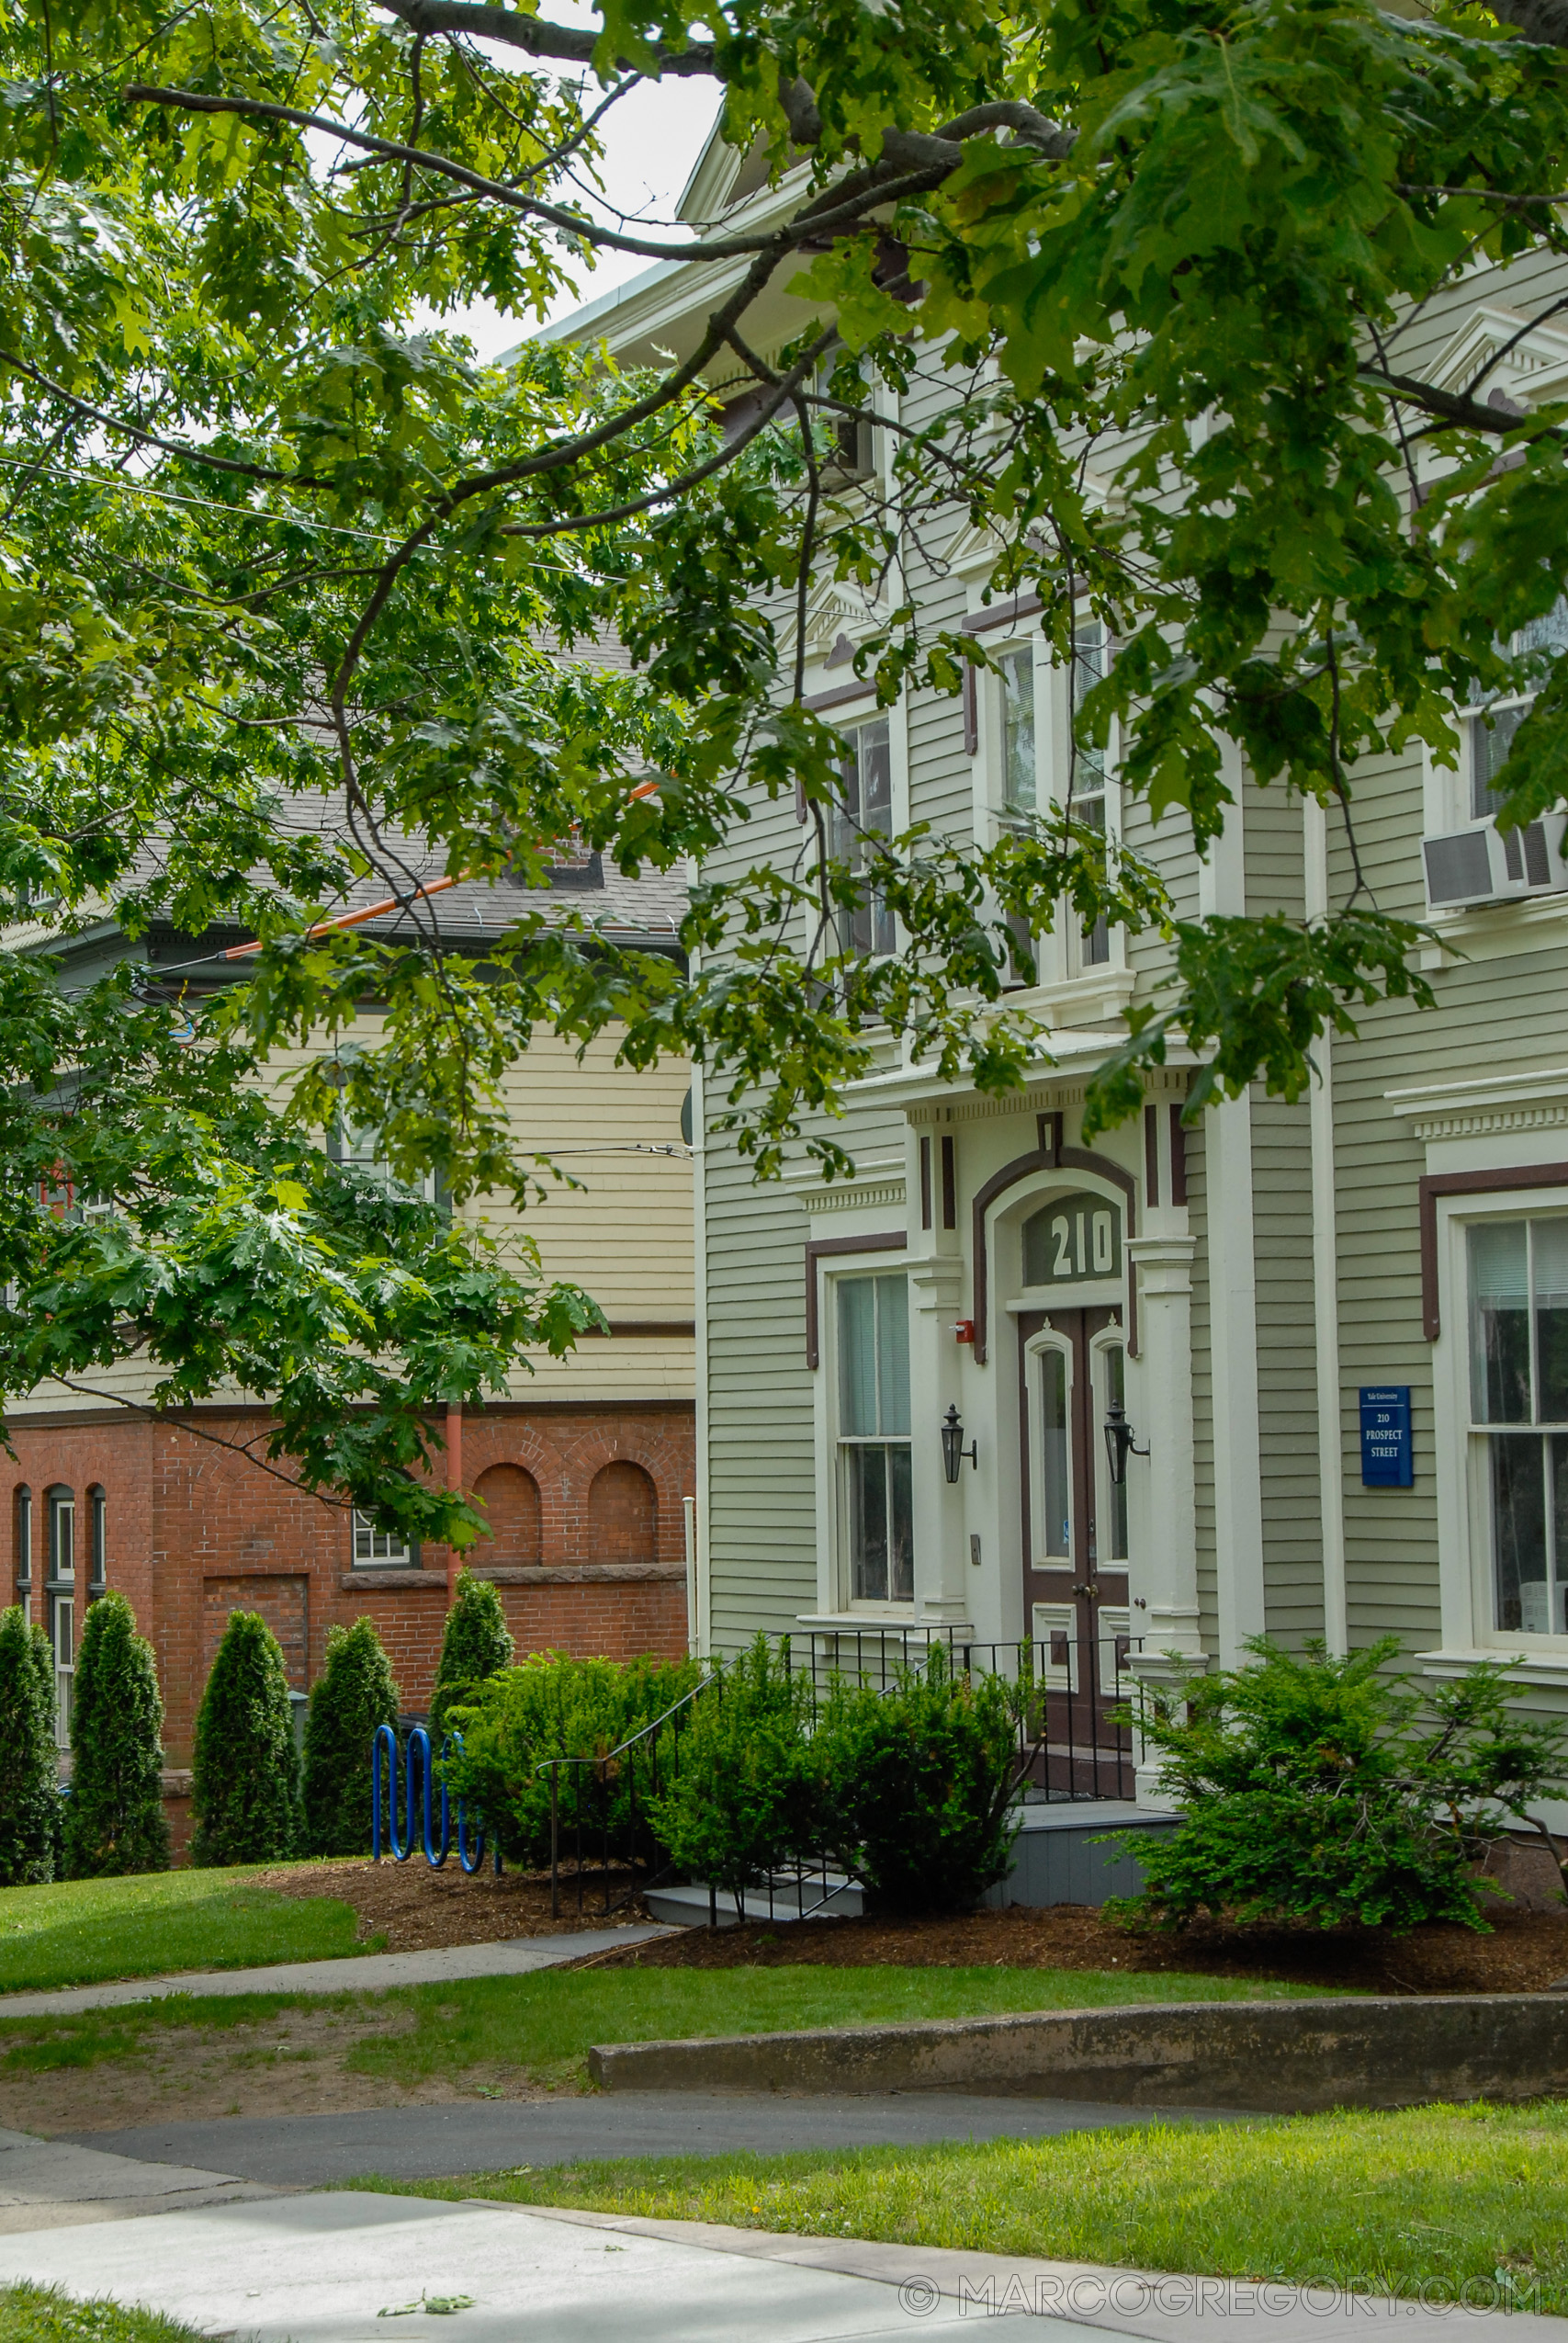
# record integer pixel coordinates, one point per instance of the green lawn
(541, 2027)
(82, 1932)
(42, 2315)
(1433, 2197)
(545, 2024)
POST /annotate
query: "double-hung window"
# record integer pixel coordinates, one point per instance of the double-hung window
(362, 1149)
(1018, 710)
(62, 1565)
(1477, 863)
(864, 812)
(1085, 795)
(1518, 1397)
(1492, 729)
(1019, 756)
(876, 1505)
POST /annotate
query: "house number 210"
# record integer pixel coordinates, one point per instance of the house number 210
(1072, 1260)
(1072, 1238)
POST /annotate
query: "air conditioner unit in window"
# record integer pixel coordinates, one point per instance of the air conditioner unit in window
(1483, 864)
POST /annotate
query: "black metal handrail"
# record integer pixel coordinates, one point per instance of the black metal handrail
(1074, 1744)
(602, 1770)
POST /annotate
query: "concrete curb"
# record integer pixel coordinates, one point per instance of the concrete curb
(1279, 2058)
(1165, 2307)
(357, 1973)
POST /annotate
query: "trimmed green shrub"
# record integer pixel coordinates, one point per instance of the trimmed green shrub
(354, 1695)
(549, 1705)
(742, 1785)
(1327, 1791)
(30, 1764)
(475, 1646)
(918, 1784)
(245, 1778)
(114, 1821)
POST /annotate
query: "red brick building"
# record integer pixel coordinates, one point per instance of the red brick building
(588, 1545)
(585, 1468)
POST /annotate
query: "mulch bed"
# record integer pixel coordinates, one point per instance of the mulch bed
(1527, 1951)
(416, 1908)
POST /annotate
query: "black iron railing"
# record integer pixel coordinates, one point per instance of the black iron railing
(1076, 1697)
(601, 1823)
(1073, 1701)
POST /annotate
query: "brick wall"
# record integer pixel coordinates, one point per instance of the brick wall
(198, 1526)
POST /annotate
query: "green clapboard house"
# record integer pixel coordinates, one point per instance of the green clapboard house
(1338, 1330)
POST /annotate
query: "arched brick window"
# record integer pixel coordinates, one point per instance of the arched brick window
(22, 1534)
(511, 1497)
(623, 1514)
(98, 1538)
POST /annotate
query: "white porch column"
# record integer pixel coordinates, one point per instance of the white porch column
(1233, 1336)
(942, 1543)
(1233, 1287)
(1326, 1270)
(1163, 1579)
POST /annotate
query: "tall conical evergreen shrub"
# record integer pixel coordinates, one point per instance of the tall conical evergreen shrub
(245, 1774)
(113, 1818)
(353, 1695)
(475, 1644)
(29, 1764)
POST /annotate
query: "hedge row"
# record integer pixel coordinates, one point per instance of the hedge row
(252, 1800)
(911, 1787)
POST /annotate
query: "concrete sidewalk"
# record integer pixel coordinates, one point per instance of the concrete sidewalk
(327, 2269)
(495, 2135)
(56, 2184)
(362, 1973)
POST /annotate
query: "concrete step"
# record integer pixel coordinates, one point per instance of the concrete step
(688, 1907)
(1056, 1861)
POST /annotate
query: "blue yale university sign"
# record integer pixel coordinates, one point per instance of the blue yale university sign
(1386, 1459)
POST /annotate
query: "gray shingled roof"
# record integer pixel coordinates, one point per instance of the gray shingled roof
(651, 904)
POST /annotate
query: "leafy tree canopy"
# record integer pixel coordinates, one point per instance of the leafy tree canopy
(264, 539)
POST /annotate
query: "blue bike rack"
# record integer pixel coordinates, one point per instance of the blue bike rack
(384, 1759)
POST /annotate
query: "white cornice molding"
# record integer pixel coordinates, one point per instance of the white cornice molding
(875, 1185)
(1536, 367)
(926, 1099)
(1491, 1107)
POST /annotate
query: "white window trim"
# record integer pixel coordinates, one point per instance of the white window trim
(835, 1604)
(1490, 930)
(407, 1560)
(1464, 1557)
(1074, 967)
(1035, 1348)
(897, 721)
(1062, 976)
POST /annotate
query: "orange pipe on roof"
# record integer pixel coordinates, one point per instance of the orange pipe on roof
(354, 919)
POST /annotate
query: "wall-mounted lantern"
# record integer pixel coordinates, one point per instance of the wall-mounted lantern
(1120, 1442)
(953, 1449)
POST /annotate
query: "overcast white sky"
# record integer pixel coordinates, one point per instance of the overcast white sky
(652, 137)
